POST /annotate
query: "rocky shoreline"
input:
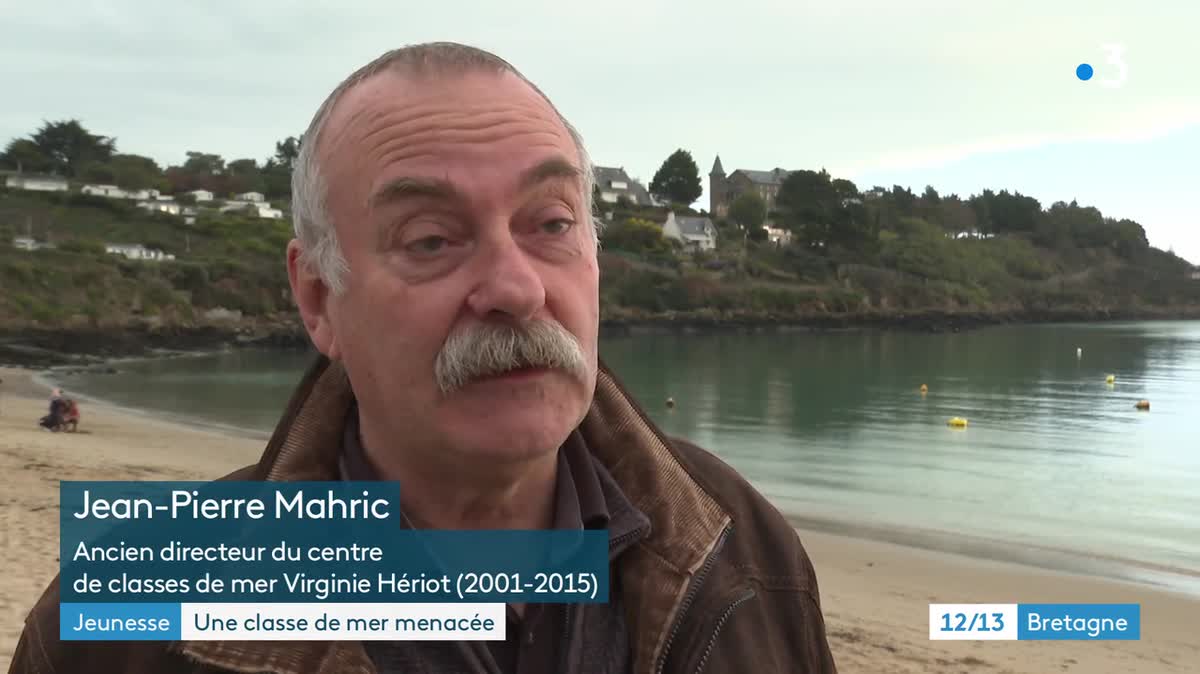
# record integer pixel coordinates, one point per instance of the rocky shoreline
(90, 347)
(928, 321)
(43, 347)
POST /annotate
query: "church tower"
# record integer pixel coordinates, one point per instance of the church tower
(716, 190)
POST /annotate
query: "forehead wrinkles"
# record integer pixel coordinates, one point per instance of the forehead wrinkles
(384, 114)
(396, 137)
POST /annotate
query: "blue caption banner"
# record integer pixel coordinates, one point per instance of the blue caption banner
(1035, 622)
(1079, 622)
(303, 542)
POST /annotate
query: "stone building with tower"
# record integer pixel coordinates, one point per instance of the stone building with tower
(723, 189)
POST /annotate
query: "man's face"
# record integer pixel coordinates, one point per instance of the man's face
(457, 204)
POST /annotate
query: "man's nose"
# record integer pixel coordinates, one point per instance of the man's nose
(509, 284)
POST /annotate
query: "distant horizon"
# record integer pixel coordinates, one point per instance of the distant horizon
(963, 97)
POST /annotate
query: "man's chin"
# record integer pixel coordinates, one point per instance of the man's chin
(509, 444)
(513, 427)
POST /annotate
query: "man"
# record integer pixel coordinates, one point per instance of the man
(445, 266)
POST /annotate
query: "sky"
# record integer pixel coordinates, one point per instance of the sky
(960, 95)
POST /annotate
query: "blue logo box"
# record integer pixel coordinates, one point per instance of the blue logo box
(1079, 622)
(119, 622)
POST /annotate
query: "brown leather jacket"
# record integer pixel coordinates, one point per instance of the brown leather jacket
(721, 584)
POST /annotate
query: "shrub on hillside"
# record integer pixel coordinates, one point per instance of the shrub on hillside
(806, 264)
(83, 247)
(636, 236)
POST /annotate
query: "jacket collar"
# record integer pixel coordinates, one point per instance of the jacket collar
(686, 521)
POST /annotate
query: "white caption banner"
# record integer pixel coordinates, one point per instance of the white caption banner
(973, 622)
(342, 622)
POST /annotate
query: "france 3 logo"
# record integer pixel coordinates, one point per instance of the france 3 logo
(1116, 70)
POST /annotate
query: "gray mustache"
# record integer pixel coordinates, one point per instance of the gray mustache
(488, 349)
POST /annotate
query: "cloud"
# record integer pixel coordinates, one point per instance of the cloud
(1140, 125)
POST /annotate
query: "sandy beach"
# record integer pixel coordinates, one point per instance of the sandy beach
(875, 595)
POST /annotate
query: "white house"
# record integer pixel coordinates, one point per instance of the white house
(779, 235)
(137, 252)
(114, 192)
(250, 196)
(614, 183)
(201, 195)
(694, 232)
(161, 205)
(32, 181)
(110, 191)
(259, 209)
(27, 243)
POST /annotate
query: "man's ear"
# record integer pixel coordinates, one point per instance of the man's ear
(312, 299)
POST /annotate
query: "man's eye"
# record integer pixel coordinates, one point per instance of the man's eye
(557, 226)
(427, 245)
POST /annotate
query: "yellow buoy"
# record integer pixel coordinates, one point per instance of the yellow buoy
(957, 422)
(1142, 404)
(1111, 378)
(670, 402)
(924, 388)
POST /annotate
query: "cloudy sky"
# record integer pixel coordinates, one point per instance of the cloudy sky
(960, 95)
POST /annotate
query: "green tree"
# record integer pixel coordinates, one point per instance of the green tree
(286, 153)
(748, 210)
(96, 172)
(244, 176)
(1129, 238)
(845, 189)
(24, 154)
(1065, 224)
(928, 206)
(70, 147)
(981, 205)
(1004, 212)
(852, 229)
(904, 201)
(200, 163)
(923, 250)
(277, 171)
(807, 201)
(956, 216)
(931, 197)
(807, 195)
(135, 172)
(201, 171)
(678, 179)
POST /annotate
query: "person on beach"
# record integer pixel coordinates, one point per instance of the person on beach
(445, 268)
(54, 418)
(70, 416)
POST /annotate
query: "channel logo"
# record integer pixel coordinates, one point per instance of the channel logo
(1116, 75)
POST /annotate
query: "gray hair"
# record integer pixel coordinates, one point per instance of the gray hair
(314, 228)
